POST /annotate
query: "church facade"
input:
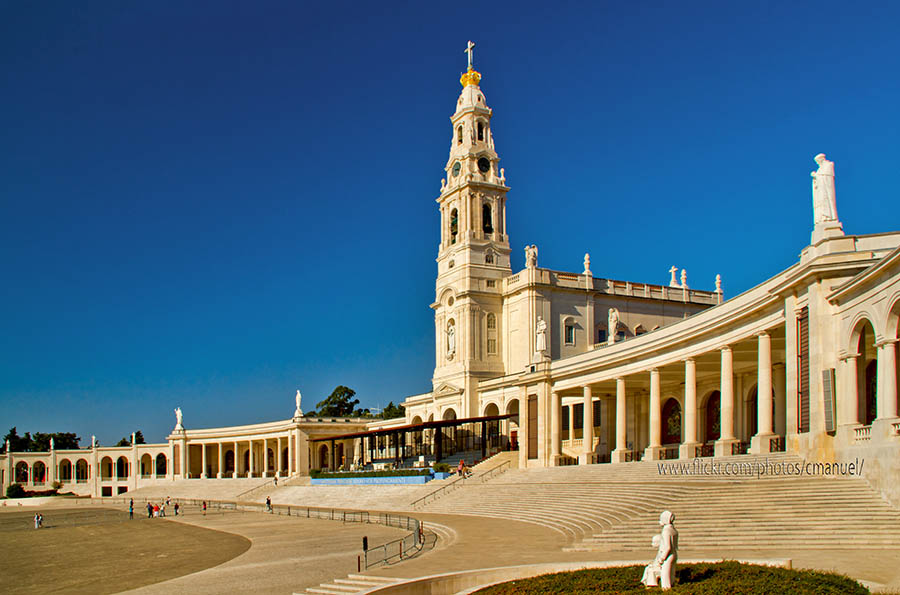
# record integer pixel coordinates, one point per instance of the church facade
(600, 370)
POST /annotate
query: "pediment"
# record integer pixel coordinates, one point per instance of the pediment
(446, 390)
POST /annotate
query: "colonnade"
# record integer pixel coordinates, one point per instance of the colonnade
(760, 442)
(258, 449)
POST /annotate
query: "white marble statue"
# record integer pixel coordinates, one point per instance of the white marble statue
(443, 185)
(502, 177)
(824, 205)
(673, 282)
(178, 419)
(684, 284)
(718, 283)
(667, 554)
(531, 254)
(540, 336)
(651, 570)
(587, 264)
(612, 325)
(298, 412)
(451, 340)
(93, 441)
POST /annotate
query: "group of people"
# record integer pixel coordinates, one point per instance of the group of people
(154, 510)
(38, 520)
(463, 470)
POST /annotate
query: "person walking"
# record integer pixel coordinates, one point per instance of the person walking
(268, 504)
(36, 520)
(131, 509)
(176, 509)
(204, 508)
(149, 510)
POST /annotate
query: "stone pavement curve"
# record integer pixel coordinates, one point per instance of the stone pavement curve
(291, 555)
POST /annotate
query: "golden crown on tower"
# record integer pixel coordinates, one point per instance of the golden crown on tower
(470, 77)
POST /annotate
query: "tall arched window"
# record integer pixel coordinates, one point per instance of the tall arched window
(480, 131)
(454, 225)
(489, 257)
(487, 224)
(459, 135)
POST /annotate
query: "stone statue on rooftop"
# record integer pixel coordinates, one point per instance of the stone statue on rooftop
(684, 284)
(297, 398)
(531, 254)
(612, 323)
(178, 419)
(587, 264)
(824, 205)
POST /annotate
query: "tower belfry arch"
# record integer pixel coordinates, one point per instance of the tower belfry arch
(474, 253)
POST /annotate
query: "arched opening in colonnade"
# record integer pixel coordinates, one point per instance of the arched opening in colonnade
(512, 408)
(270, 461)
(21, 472)
(39, 472)
(712, 428)
(122, 466)
(671, 422)
(64, 472)
(751, 411)
(862, 345)
(106, 468)
(284, 460)
(229, 462)
(146, 465)
(81, 471)
(161, 465)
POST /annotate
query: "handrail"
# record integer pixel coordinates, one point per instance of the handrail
(253, 489)
(440, 489)
(482, 476)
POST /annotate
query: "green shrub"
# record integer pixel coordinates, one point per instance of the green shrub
(700, 579)
(441, 468)
(14, 490)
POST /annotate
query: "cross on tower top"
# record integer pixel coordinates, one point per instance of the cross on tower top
(470, 49)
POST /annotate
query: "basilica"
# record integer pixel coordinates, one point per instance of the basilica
(571, 368)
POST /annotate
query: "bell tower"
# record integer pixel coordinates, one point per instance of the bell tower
(473, 256)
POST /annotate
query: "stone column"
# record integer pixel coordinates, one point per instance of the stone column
(265, 456)
(779, 385)
(571, 424)
(292, 466)
(688, 448)
(203, 461)
(654, 449)
(887, 378)
(250, 459)
(760, 442)
(587, 424)
(851, 389)
(221, 462)
(555, 427)
(237, 461)
(619, 454)
(726, 411)
(523, 428)
(278, 457)
(185, 458)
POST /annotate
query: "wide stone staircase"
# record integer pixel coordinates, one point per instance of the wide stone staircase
(616, 507)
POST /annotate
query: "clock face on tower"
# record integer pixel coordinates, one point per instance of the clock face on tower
(484, 165)
(456, 167)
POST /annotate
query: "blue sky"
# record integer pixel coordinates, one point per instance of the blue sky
(211, 205)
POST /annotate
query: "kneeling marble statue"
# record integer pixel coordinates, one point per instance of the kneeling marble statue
(661, 572)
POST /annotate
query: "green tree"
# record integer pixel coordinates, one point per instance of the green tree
(392, 411)
(339, 403)
(40, 442)
(138, 439)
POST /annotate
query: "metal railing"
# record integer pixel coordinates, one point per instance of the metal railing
(483, 477)
(396, 550)
(254, 488)
(776, 444)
